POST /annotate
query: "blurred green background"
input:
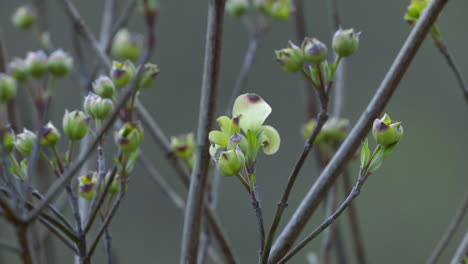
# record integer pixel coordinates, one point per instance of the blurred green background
(404, 208)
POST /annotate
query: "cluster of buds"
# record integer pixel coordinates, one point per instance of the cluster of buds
(274, 9)
(24, 142)
(183, 146)
(97, 107)
(37, 64)
(24, 17)
(127, 45)
(293, 57)
(87, 184)
(333, 132)
(236, 146)
(122, 72)
(129, 137)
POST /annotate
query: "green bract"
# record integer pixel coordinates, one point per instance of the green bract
(231, 162)
(386, 131)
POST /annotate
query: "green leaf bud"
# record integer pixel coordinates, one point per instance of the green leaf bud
(37, 63)
(127, 45)
(75, 124)
(87, 185)
(18, 69)
(122, 72)
(183, 145)
(386, 131)
(314, 50)
(149, 74)
(50, 136)
(7, 88)
(129, 137)
(59, 63)
(24, 142)
(24, 17)
(237, 8)
(231, 162)
(291, 58)
(104, 87)
(345, 42)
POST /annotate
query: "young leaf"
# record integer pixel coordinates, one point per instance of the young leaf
(376, 162)
(365, 153)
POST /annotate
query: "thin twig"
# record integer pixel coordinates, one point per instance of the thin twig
(443, 49)
(327, 242)
(360, 130)
(283, 203)
(449, 233)
(192, 221)
(108, 16)
(10, 246)
(356, 233)
(120, 22)
(462, 251)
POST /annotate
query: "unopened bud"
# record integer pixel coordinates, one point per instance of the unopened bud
(18, 69)
(149, 74)
(345, 42)
(51, 135)
(386, 131)
(122, 72)
(96, 107)
(37, 63)
(127, 45)
(7, 88)
(24, 17)
(231, 162)
(9, 139)
(75, 124)
(290, 58)
(87, 185)
(314, 50)
(104, 87)
(60, 63)
(183, 146)
(24, 142)
(237, 8)
(129, 137)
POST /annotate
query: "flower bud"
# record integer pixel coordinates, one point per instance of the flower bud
(24, 17)
(104, 87)
(37, 63)
(333, 132)
(7, 88)
(51, 135)
(97, 107)
(237, 8)
(129, 137)
(314, 50)
(231, 162)
(60, 63)
(18, 69)
(290, 58)
(122, 72)
(386, 131)
(149, 74)
(115, 185)
(88, 185)
(345, 42)
(9, 139)
(127, 45)
(24, 142)
(183, 146)
(75, 124)
(415, 10)
(281, 9)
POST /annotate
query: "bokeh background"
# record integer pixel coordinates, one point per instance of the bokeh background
(404, 208)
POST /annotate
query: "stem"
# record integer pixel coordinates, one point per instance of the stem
(260, 226)
(451, 62)
(330, 220)
(356, 233)
(22, 235)
(192, 221)
(70, 153)
(283, 203)
(449, 233)
(359, 131)
(462, 251)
